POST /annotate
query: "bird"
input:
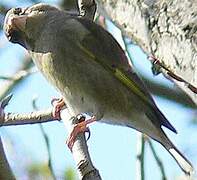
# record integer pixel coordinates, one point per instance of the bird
(91, 71)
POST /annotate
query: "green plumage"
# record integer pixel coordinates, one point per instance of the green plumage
(86, 64)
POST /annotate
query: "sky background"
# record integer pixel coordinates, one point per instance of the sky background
(112, 148)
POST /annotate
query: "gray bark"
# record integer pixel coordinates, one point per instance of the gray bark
(167, 29)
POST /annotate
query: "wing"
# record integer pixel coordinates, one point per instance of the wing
(104, 49)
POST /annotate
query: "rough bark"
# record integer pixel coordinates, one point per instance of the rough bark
(167, 29)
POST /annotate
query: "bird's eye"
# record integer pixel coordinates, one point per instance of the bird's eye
(17, 11)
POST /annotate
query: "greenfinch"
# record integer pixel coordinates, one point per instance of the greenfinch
(91, 71)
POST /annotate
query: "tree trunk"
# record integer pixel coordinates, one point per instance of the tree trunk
(166, 29)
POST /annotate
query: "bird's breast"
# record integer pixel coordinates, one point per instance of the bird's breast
(86, 86)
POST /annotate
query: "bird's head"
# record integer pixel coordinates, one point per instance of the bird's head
(22, 25)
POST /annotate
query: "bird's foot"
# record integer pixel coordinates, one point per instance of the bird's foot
(79, 128)
(58, 104)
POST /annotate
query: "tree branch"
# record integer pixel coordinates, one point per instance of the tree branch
(140, 173)
(161, 90)
(80, 152)
(171, 74)
(47, 143)
(158, 160)
(159, 30)
(12, 119)
(17, 77)
(169, 93)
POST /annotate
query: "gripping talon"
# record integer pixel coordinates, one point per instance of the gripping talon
(58, 104)
(79, 128)
(89, 133)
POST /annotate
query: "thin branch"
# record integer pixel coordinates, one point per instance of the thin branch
(158, 160)
(47, 143)
(162, 90)
(85, 168)
(156, 62)
(12, 119)
(6, 172)
(80, 150)
(140, 173)
(46, 140)
(18, 78)
(171, 94)
(19, 75)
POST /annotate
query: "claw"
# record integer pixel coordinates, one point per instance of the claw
(81, 118)
(89, 133)
(79, 128)
(58, 104)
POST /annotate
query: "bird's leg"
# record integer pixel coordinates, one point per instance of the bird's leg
(58, 104)
(79, 128)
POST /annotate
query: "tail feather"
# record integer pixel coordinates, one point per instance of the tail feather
(182, 161)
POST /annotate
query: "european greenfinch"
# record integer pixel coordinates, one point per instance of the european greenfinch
(91, 71)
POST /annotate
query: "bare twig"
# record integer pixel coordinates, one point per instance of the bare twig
(29, 118)
(80, 150)
(158, 160)
(46, 140)
(85, 168)
(155, 61)
(162, 90)
(18, 77)
(140, 173)
(6, 172)
(171, 94)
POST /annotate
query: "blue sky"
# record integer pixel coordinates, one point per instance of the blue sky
(112, 148)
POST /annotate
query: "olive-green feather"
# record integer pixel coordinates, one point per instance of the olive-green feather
(103, 48)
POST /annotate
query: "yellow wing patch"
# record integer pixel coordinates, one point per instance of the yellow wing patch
(129, 83)
(118, 74)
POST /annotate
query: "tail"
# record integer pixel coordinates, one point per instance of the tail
(182, 161)
(161, 137)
